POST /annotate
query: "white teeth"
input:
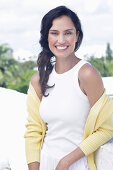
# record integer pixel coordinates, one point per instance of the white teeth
(61, 48)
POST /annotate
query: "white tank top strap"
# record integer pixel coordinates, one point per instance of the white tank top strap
(80, 64)
(76, 79)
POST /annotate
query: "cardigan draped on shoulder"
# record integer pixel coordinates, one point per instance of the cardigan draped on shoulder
(36, 128)
(98, 128)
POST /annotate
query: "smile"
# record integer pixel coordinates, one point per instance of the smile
(61, 47)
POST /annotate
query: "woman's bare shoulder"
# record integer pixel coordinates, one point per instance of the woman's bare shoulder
(36, 84)
(87, 71)
(91, 82)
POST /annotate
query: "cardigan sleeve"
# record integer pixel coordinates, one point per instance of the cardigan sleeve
(95, 140)
(33, 135)
(102, 132)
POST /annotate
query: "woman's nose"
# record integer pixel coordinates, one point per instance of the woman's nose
(61, 39)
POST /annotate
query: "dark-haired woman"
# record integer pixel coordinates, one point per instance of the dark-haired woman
(66, 101)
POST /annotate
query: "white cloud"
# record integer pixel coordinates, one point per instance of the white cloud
(23, 53)
(98, 29)
(91, 6)
(91, 50)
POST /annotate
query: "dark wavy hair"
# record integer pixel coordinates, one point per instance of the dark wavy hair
(44, 61)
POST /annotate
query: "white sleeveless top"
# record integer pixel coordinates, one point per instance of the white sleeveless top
(65, 111)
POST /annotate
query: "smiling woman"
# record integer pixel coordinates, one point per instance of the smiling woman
(62, 38)
(66, 102)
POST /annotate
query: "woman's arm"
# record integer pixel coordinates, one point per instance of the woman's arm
(33, 166)
(69, 159)
(33, 135)
(91, 83)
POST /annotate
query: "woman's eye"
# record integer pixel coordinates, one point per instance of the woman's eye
(68, 33)
(54, 33)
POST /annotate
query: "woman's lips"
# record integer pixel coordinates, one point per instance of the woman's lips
(61, 48)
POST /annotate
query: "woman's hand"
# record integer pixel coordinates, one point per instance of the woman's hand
(62, 165)
(69, 159)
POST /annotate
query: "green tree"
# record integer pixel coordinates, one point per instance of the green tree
(22, 85)
(110, 67)
(109, 53)
(5, 51)
(22, 73)
(14, 74)
(6, 54)
(99, 64)
(28, 65)
(104, 64)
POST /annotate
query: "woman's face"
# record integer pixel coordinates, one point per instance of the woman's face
(62, 37)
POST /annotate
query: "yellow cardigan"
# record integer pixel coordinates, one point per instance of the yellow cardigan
(98, 128)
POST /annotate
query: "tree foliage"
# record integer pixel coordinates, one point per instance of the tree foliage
(109, 53)
(104, 64)
(14, 74)
(99, 64)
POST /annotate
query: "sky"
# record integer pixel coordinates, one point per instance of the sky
(20, 24)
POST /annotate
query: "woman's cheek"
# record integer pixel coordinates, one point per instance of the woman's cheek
(51, 40)
(72, 40)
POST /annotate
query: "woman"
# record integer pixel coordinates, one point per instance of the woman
(66, 101)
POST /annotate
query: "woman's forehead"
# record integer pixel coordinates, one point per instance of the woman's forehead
(64, 22)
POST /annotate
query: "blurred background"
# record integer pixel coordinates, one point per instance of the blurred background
(19, 48)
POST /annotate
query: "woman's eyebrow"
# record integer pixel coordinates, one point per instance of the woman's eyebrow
(53, 30)
(70, 29)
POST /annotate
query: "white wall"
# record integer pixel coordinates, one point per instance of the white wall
(12, 128)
